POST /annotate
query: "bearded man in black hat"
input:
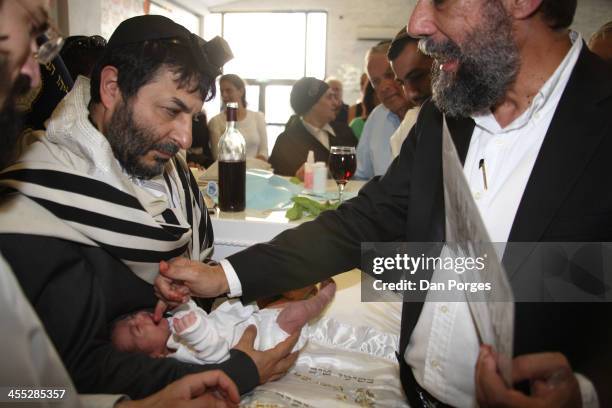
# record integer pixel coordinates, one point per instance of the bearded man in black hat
(94, 206)
(313, 128)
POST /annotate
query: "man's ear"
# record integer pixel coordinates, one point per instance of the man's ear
(523, 9)
(110, 94)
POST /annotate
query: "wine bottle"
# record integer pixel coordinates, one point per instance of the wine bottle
(232, 164)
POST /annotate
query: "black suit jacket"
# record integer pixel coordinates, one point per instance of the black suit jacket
(568, 198)
(292, 146)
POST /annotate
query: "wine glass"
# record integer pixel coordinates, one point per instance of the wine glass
(342, 165)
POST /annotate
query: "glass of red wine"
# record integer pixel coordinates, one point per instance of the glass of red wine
(342, 165)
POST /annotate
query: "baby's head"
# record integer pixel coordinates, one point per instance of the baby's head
(138, 333)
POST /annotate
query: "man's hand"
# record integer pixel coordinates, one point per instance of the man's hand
(167, 286)
(207, 389)
(180, 278)
(553, 383)
(271, 364)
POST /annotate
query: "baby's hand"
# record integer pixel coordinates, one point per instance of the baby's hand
(183, 323)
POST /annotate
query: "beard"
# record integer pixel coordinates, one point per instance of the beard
(131, 142)
(11, 120)
(488, 65)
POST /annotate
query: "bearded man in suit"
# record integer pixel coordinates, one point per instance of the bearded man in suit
(521, 91)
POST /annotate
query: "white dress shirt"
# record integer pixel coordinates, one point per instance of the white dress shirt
(444, 346)
(398, 137)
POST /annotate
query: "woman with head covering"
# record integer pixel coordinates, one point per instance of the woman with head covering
(251, 124)
(315, 105)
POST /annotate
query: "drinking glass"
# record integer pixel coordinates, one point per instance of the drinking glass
(342, 165)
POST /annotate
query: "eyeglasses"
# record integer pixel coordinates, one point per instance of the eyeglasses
(49, 43)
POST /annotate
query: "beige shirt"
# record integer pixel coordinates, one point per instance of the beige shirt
(322, 135)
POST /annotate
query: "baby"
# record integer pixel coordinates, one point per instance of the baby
(194, 336)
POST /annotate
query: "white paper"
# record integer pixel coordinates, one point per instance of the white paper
(492, 311)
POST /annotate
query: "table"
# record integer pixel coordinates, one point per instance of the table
(236, 231)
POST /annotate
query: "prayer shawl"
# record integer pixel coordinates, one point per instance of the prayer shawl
(68, 184)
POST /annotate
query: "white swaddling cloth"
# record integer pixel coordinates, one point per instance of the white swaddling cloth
(210, 338)
(349, 360)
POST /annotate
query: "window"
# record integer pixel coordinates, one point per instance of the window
(271, 52)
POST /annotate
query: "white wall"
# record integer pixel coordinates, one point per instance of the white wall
(95, 17)
(84, 17)
(114, 12)
(345, 53)
(591, 15)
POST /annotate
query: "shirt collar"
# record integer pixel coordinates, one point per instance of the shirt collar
(392, 117)
(550, 92)
(313, 130)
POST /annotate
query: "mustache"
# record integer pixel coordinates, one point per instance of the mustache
(21, 85)
(167, 148)
(445, 50)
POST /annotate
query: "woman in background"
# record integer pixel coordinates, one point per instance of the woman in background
(311, 128)
(251, 124)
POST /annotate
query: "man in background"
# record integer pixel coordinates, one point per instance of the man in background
(412, 70)
(374, 150)
(601, 42)
(336, 86)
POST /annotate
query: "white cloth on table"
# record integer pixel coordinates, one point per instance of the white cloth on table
(211, 337)
(349, 360)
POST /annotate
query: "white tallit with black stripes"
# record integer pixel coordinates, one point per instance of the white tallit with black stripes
(69, 185)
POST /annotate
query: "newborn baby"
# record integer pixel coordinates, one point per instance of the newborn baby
(194, 336)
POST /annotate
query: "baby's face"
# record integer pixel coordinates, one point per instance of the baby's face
(139, 333)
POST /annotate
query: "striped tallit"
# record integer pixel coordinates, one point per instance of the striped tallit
(70, 174)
